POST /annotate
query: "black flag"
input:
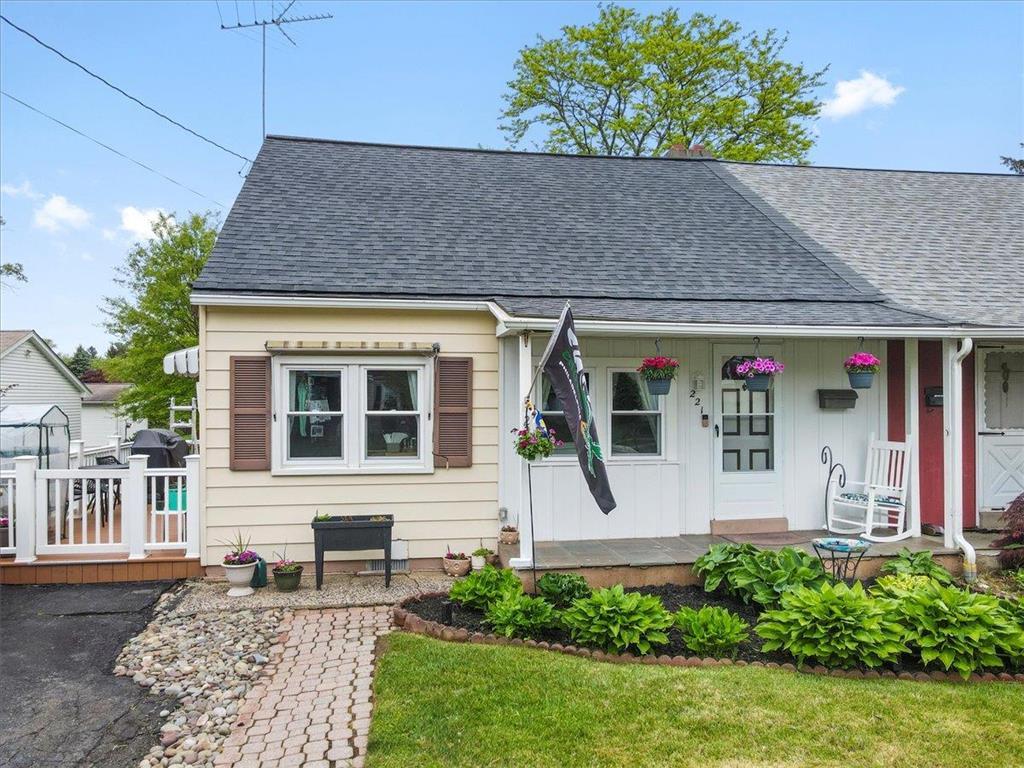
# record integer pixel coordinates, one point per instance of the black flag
(564, 366)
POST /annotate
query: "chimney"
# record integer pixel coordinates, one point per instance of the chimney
(693, 152)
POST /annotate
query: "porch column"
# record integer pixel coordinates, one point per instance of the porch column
(24, 523)
(193, 505)
(525, 559)
(949, 397)
(912, 429)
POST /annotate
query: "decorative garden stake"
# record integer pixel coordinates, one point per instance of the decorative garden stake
(861, 367)
(658, 372)
(759, 372)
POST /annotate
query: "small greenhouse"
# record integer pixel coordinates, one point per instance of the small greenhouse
(34, 430)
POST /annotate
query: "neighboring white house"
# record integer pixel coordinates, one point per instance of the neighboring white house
(33, 374)
(100, 418)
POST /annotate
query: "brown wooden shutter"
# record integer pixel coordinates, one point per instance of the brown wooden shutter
(453, 411)
(250, 413)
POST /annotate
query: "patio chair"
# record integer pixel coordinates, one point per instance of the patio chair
(881, 499)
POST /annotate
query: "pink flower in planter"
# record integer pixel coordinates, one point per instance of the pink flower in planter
(4, 522)
(862, 362)
(659, 367)
(764, 366)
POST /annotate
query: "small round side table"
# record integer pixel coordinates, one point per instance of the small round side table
(840, 557)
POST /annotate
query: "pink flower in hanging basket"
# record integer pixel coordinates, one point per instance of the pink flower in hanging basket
(862, 362)
(659, 367)
(764, 366)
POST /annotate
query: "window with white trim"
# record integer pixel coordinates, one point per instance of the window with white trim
(635, 416)
(554, 418)
(343, 416)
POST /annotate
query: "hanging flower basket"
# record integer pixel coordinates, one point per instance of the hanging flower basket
(658, 372)
(861, 368)
(534, 444)
(758, 372)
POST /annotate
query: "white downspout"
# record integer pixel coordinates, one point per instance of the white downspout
(957, 468)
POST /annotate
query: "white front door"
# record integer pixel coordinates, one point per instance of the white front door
(1000, 398)
(747, 474)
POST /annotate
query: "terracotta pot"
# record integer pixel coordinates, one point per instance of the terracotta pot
(494, 560)
(239, 577)
(455, 567)
(508, 537)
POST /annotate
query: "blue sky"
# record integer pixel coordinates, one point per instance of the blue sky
(930, 86)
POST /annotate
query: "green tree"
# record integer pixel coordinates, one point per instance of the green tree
(12, 269)
(156, 316)
(1015, 164)
(81, 360)
(635, 85)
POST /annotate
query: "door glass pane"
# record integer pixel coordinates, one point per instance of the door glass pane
(629, 393)
(392, 436)
(554, 418)
(748, 435)
(315, 437)
(636, 433)
(314, 390)
(1004, 390)
(391, 390)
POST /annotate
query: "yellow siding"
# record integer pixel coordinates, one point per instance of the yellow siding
(451, 507)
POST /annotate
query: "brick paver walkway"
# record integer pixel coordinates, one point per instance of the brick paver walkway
(313, 709)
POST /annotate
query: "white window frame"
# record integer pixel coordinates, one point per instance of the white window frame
(660, 455)
(354, 395)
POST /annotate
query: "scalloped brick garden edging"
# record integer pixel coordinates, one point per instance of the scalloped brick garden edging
(410, 622)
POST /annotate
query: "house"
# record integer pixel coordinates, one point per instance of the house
(101, 419)
(371, 317)
(31, 373)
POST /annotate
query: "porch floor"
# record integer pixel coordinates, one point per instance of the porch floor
(684, 550)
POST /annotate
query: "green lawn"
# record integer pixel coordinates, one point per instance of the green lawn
(452, 704)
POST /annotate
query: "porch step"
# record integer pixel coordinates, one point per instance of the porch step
(64, 570)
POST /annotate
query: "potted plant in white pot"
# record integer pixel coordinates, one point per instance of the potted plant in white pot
(239, 565)
(479, 558)
(861, 367)
(759, 372)
(658, 372)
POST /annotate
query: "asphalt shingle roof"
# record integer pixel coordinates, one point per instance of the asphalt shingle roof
(948, 244)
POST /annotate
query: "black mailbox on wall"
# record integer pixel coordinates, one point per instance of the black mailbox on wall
(836, 399)
(933, 397)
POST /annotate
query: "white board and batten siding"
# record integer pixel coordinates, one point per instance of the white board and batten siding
(29, 378)
(674, 494)
(455, 507)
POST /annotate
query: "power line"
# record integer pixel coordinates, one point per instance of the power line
(109, 148)
(123, 92)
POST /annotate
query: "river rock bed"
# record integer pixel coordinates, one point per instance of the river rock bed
(208, 662)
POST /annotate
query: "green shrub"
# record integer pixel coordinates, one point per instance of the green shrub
(617, 621)
(1014, 608)
(518, 615)
(481, 588)
(711, 631)
(839, 626)
(764, 577)
(896, 586)
(961, 630)
(560, 589)
(716, 564)
(916, 564)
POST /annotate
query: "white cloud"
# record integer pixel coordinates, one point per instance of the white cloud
(854, 96)
(58, 212)
(139, 222)
(22, 190)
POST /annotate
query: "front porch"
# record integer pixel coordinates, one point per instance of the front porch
(649, 561)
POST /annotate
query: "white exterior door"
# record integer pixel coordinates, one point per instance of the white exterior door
(1000, 398)
(747, 475)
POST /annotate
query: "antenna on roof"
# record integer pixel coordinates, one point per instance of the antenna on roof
(277, 21)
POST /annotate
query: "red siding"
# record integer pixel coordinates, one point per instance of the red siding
(930, 435)
(896, 390)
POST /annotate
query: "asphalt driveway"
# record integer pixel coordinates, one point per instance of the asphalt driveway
(59, 703)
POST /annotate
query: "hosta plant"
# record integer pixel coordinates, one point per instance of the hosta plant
(836, 625)
(617, 621)
(560, 589)
(711, 631)
(481, 588)
(898, 585)
(716, 564)
(518, 615)
(766, 575)
(960, 630)
(916, 564)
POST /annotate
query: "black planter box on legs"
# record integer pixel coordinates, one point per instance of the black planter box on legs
(351, 533)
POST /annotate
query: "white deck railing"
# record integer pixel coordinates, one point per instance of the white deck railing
(102, 509)
(88, 456)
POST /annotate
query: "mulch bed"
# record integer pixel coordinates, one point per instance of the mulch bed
(469, 622)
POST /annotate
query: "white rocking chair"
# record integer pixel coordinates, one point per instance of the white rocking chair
(882, 500)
